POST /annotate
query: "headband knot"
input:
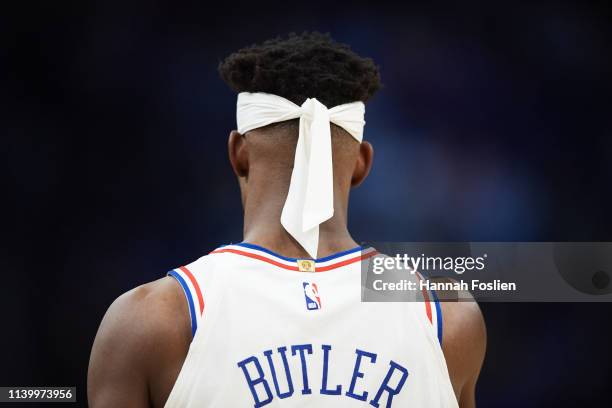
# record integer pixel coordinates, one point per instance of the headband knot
(310, 200)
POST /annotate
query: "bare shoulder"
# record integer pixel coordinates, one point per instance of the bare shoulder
(144, 330)
(145, 316)
(464, 342)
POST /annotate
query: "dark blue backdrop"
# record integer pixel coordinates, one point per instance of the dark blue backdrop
(494, 124)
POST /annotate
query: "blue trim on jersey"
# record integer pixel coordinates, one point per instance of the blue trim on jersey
(192, 314)
(339, 254)
(327, 258)
(438, 315)
(438, 311)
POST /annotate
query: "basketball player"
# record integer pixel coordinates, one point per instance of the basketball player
(277, 320)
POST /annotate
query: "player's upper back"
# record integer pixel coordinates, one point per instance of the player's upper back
(275, 330)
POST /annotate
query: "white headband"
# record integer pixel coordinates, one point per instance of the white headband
(310, 200)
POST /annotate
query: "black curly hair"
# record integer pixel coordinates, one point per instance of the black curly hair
(310, 65)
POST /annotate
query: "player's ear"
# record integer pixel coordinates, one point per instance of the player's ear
(238, 153)
(363, 164)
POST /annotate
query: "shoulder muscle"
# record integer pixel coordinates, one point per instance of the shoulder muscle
(464, 343)
(144, 330)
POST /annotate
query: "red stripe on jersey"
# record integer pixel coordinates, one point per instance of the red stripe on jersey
(427, 306)
(195, 285)
(255, 256)
(291, 267)
(427, 303)
(346, 262)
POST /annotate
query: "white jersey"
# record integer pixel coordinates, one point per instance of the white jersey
(280, 332)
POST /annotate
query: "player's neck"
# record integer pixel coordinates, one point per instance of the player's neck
(262, 227)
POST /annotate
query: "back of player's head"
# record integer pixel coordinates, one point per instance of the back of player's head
(296, 68)
(310, 65)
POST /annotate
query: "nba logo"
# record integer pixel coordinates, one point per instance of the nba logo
(311, 293)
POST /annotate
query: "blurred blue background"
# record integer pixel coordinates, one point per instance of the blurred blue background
(494, 124)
